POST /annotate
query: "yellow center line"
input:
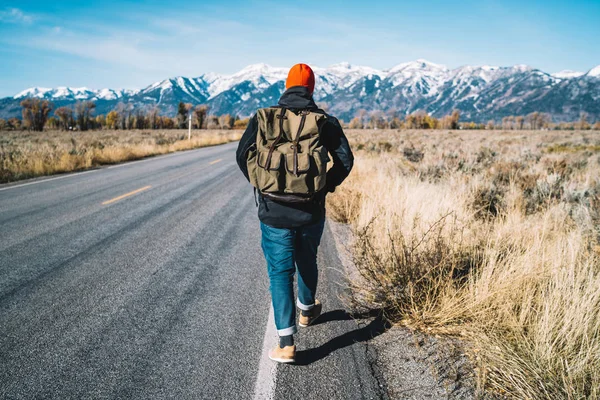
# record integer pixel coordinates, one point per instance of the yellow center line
(148, 187)
(126, 195)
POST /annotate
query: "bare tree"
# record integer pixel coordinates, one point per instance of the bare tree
(377, 120)
(583, 124)
(520, 122)
(362, 115)
(84, 110)
(411, 121)
(140, 120)
(200, 113)
(356, 123)
(65, 116)
(153, 118)
(212, 122)
(14, 123)
(35, 113)
(226, 121)
(533, 119)
(183, 111)
(124, 113)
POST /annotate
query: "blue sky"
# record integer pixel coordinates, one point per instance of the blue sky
(130, 44)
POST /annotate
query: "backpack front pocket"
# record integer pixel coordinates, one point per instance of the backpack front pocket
(302, 160)
(303, 181)
(270, 177)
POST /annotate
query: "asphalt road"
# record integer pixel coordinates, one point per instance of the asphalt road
(146, 280)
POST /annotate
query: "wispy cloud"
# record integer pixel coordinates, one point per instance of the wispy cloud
(88, 43)
(15, 16)
(115, 49)
(130, 49)
(166, 45)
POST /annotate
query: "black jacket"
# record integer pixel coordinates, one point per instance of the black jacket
(287, 215)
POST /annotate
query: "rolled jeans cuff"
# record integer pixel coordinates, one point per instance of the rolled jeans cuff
(287, 331)
(304, 307)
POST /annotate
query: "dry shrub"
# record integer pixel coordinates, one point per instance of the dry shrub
(345, 208)
(501, 249)
(413, 155)
(406, 275)
(25, 155)
(535, 311)
(488, 202)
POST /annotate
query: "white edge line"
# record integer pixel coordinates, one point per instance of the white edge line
(175, 153)
(101, 168)
(49, 179)
(264, 388)
(92, 170)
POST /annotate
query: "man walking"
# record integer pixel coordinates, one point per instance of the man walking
(284, 153)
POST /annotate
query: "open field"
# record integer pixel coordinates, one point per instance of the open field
(491, 236)
(29, 154)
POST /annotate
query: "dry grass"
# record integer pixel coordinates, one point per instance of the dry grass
(29, 154)
(492, 236)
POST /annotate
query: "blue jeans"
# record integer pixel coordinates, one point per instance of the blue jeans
(285, 251)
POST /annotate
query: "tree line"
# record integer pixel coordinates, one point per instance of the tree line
(421, 120)
(36, 115)
(392, 120)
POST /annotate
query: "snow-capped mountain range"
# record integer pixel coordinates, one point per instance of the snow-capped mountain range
(479, 92)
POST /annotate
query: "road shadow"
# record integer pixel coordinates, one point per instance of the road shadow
(343, 315)
(376, 327)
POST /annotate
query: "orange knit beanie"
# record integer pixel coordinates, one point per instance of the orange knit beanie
(301, 75)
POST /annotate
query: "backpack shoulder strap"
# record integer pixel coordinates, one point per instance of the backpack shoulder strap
(281, 117)
(303, 114)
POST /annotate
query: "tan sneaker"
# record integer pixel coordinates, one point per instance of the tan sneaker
(316, 313)
(285, 355)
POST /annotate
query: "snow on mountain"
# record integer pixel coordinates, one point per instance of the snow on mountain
(486, 73)
(161, 85)
(33, 92)
(67, 93)
(345, 70)
(480, 92)
(114, 94)
(76, 93)
(521, 68)
(341, 76)
(467, 81)
(594, 72)
(344, 74)
(567, 73)
(421, 76)
(260, 75)
(186, 89)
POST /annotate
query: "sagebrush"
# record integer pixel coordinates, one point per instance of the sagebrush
(489, 235)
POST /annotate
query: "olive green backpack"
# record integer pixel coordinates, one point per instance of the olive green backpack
(288, 163)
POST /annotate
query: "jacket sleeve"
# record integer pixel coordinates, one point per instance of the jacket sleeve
(336, 143)
(246, 142)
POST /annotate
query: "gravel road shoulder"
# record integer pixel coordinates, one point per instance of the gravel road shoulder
(410, 364)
